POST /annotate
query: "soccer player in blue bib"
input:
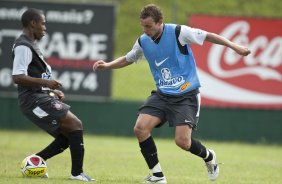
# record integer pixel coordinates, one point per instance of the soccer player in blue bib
(166, 47)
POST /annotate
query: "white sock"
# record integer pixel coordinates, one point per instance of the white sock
(208, 153)
(157, 168)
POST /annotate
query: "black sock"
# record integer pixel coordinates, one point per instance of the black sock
(210, 157)
(57, 146)
(149, 152)
(77, 151)
(198, 149)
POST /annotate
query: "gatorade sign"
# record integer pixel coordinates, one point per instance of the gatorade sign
(77, 36)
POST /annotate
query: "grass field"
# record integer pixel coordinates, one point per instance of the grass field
(117, 160)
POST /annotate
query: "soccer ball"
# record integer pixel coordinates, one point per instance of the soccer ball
(33, 166)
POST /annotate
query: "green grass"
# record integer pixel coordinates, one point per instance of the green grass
(118, 160)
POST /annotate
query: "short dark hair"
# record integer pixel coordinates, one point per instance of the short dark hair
(151, 10)
(30, 15)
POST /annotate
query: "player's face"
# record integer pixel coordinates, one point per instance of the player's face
(151, 28)
(40, 28)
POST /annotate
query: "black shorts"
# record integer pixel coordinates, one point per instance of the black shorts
(44, 110)
(177, 110)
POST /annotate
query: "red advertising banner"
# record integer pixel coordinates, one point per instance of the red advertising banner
(230, 80)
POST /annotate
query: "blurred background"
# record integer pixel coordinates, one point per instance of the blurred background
(242, 97)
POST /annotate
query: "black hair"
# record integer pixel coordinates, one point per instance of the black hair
(30, 15)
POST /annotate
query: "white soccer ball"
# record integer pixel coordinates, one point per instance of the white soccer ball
(33, 166)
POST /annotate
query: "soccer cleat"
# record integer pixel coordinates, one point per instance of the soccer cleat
(212, 166)
(45, 175)
(81, 177)
(155, 179)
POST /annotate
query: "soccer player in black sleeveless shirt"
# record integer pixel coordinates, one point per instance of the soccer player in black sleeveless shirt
(39, 96)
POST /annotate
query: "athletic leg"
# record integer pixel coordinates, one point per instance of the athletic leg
(143, 127)
(71, 126)
(184, 141)
(57, 146)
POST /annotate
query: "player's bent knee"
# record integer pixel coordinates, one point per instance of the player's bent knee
(183, 143)
(139, 130)
(78, 124)
(71, 123)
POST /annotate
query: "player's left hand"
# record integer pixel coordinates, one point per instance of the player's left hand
(244, 51)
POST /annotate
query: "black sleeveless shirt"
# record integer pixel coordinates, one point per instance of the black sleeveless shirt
(37, 67)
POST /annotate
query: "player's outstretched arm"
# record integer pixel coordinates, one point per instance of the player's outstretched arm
(217, 39)
(115, 64)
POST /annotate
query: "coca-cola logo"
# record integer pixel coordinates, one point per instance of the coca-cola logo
(263, 65)
(230, 79)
